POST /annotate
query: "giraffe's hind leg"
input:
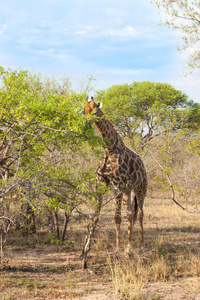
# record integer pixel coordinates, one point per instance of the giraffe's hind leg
(141, 214)
(140, 195)
(134, 206)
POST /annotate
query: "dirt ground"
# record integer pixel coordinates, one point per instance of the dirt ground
(36, 270)
(46, 273)
(49, 273)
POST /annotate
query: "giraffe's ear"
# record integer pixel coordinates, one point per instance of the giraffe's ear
(99, 104)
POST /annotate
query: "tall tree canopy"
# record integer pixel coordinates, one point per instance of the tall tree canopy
(141, 108)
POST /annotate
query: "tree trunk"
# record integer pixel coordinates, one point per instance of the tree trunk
(91, 229)
(67, 217)
(30, 219)
(57, 231)
(51, 223)
(1, 242)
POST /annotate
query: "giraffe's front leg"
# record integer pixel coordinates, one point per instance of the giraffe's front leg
(118, 219)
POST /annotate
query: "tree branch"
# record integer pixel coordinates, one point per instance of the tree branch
(172, 188)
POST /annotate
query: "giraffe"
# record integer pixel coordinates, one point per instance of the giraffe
(123, 170)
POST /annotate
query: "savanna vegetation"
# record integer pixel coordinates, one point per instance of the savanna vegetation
(49, 194)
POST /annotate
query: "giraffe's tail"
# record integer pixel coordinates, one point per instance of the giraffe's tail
(135, 209)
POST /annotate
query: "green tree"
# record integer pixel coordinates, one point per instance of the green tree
(184, 15)
(42, 141)
(32, 119)
(141, 109)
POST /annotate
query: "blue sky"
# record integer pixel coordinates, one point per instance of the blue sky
(115, 41)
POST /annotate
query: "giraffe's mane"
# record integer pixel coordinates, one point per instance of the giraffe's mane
(109, 122)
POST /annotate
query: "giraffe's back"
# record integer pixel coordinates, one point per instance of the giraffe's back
(124, 171)
(133, 167)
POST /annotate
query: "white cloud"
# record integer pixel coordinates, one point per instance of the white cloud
(123, 71)
(63, 56)
(48, 52)
(127, 72)
(25, 41)
(81, 32)
(127, 31)
(119, 39)
(84, 29)
(60, 55)
(3, 29)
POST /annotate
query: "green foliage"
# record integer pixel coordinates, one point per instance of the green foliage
(43, 142)
(160, 120)
(140, 109)
(184, 15)
(48, 155)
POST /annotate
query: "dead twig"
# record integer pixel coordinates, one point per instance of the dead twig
(172, 189)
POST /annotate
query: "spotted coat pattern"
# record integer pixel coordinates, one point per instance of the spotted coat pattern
(123, 170)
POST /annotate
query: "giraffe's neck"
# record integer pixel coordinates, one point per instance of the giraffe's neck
(110, 135)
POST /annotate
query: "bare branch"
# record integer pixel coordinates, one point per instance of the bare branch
(172, 188)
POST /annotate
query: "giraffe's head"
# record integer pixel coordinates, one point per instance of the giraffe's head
(93, 108)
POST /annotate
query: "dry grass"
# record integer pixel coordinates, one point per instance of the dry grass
(162, 261)
(171, 254)
(168, 268)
